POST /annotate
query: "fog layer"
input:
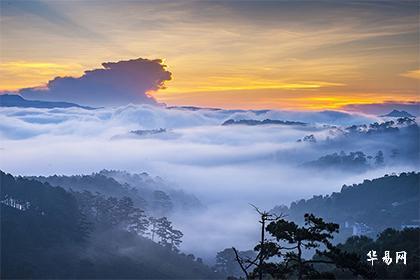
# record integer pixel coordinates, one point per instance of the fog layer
(226, 167)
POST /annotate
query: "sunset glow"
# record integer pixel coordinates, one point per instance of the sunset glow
(234, 55)
(209, 139)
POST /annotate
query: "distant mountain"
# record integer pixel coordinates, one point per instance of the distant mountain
(193, 108)
(383, 127)
(226, 111)
(351, 162)
(264, 122)
(11, 100)
(160, 133)
(146, 132)
(398, 114)
(367, 208)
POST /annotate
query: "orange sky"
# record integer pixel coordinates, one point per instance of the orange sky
(295, 55)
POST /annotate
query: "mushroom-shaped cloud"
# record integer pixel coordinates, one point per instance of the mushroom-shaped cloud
(117, 83)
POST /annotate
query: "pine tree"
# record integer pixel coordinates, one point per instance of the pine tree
(315, 234)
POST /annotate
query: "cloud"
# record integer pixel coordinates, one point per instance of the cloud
(226, 167)
(117, 83)
(414, 74)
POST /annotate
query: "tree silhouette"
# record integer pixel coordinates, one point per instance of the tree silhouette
(262, 248)
(169, 237)
(281, 256)
(315, 233)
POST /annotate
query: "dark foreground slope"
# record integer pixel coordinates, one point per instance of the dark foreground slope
(46, 234)
(407, 240)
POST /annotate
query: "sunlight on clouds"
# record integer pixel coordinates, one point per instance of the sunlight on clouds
(227, 49)
(415, 74)
(36, 65)
(333, 102)
(223, 85)
(21, 74)
(297, 99)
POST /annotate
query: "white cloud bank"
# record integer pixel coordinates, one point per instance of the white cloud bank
(227, 167)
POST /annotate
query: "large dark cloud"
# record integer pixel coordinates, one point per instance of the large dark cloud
(117, 83)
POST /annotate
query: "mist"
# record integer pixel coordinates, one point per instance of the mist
(226, 167)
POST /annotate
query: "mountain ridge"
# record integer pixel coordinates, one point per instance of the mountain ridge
(398, 114)
(14, 100)
(251, 122)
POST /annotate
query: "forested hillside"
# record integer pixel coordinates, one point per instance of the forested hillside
(365, 208)
(391, 240)
(153, 195)
(48, 232)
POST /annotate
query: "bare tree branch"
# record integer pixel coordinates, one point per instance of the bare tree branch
(253, 262)
(240, 262)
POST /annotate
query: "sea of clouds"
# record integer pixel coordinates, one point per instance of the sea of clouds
(226, 167)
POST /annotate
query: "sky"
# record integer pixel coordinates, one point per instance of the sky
(304, 55)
